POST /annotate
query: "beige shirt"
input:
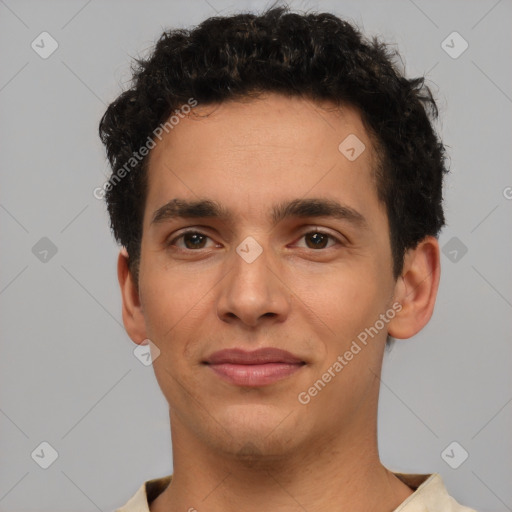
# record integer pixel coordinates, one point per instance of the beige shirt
(429, 495)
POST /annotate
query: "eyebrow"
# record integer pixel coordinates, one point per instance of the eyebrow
(299, 208)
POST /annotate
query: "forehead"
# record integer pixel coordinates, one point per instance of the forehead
(266, 123)
(257, 151)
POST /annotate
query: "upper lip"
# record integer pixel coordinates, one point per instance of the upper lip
(259, 356)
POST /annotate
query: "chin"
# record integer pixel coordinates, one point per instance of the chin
(267, 432)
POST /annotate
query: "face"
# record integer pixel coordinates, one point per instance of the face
(306, 280)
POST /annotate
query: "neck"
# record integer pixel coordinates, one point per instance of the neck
(337, 473)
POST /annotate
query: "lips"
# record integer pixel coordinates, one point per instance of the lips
(260, 356)
(256, 368)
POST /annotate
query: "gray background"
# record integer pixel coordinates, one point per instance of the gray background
(68, 375)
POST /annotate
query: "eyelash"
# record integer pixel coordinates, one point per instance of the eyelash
(171, 243)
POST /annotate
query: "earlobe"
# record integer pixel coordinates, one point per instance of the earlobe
(416, 289)
(133, 318)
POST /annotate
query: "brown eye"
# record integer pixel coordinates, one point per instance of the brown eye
(318, 239)
(192, 240)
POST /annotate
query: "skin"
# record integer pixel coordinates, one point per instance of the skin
(259, 448)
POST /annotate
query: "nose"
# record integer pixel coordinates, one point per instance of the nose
(253, 291)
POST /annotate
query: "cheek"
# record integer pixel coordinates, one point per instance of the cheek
(170, 301)
(347, 296)
(355, 302)
(174, 305)
(178, 302)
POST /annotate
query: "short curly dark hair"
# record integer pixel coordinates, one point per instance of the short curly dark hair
(317, 56)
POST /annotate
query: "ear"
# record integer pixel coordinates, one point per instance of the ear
(133, 317)
(416, 289)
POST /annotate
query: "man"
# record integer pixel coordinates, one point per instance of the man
(277, 190)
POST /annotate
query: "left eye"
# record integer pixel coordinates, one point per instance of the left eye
(318, 239)
(196, 239)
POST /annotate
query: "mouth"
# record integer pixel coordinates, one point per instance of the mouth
(256, 368)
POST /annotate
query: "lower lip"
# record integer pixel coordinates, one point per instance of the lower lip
(254, 374)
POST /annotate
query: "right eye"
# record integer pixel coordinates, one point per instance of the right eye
(191, 239)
